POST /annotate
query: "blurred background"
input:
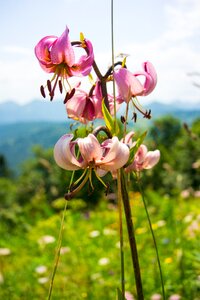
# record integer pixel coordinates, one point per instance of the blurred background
(167, 33)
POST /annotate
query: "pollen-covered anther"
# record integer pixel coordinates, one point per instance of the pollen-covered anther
(42, 91)
(60, 86)
(49, 86)
(69, 95)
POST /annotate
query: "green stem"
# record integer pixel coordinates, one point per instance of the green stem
(57, 255)
(154, 241)
(131, 236)
(113, 63)
(119, 199)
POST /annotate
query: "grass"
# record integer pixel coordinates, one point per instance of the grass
(89, 266)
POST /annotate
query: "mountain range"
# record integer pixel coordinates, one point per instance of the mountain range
(44, 110)
(43, 122)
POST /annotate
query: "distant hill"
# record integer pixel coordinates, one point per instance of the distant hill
(43, 122)
(45, 110)
(17, 140)
(35, 111)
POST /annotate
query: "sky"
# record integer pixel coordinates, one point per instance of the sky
(165, 32)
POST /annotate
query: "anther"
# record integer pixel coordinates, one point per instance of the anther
(66, 98)
(147, 114)
(123, 120)
(49, 86)
(134, 117)
(72, 93)
(60, 86)
(42, 91)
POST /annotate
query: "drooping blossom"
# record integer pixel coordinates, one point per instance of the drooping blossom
(88, 107)
(107, 156)
(56, 55)
(144, 159)
(129, 84)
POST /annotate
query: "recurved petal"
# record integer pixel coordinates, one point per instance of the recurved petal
(128, 138)
(62, 50)
(116, 155)
(151, 159)
(90, 148)
(75, 106)
(150, 77)
(150, 82)
(84, 65)
(141, 154)
(128, 85)
(64, 154)
(42, 48)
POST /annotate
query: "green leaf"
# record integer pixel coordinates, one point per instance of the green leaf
(134, 149)
(119, 295)
(109, 120)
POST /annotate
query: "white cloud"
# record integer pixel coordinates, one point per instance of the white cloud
(175, 52)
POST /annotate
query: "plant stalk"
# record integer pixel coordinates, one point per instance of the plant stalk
(131, 236)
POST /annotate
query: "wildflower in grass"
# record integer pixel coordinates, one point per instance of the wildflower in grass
(64, 250)
(5, 251)
(109, 231)
(128, 296)
(56, 55)
(104, 261)
(43, 280)
(175, 297)
(46, 239)
(94, 233)
(156, 297)
(41, 269)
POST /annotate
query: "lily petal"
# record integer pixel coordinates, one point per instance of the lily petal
(90, 148)
(151, 159)
(62, 50)
(43, 54)
(84, 65)
(150, 77)
(64, 154)
(116, 155)
(128, 85)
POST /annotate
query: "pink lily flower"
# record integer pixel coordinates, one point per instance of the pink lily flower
(108, 156)
(56, 55)
(144, 159)
(129, 85)
(88, 107)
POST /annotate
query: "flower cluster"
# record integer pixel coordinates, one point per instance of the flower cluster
(57, 55)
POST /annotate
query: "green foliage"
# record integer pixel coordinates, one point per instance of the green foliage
(89, 263)
(30, 212)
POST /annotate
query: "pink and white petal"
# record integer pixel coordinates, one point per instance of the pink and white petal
(63, 155)
(141, 154)
(151, 159)
(116, 157)
(90, 148)
(62, 50)
(128, 138)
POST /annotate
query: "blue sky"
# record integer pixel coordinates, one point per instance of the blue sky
(165, 32)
